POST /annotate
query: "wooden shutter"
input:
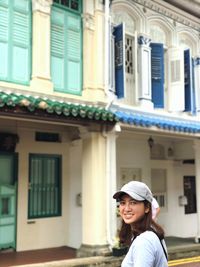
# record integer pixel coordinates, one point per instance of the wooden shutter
(4, 36)
(176, 80)
(21, 30)
(157, 74)
(66, 51)
(119, 34)
(15, 32)
(73, 37)
(189, 82)
(57, 48)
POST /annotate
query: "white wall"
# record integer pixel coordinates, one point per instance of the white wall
(44, 232)
(135, 153)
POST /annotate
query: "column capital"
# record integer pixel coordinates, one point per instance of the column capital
(197, 61)
(144, 40)
(88, 22)
(42, 5)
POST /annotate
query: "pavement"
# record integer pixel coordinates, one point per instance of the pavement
(178, 248)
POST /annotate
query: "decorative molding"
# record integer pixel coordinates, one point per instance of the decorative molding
(144, 40)
(88, 22)
(121, 16)
(42, 5)
(169, 13)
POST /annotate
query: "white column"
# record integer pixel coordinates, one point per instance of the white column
(94, 195)
(197, 81)
(41, 45)
(144, 70)
(111, 186)
(197, 167)
(94, 50)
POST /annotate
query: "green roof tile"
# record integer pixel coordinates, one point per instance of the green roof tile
(32, 103)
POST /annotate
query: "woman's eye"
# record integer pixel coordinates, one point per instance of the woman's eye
(122, 203)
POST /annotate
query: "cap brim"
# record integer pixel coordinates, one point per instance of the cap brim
(131, 194)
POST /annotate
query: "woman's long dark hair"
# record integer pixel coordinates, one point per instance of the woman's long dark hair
(129, 231)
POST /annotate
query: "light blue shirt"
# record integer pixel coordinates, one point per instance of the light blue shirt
(146, 251)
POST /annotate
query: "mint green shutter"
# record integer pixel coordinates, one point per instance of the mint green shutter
(4, 39)
(15, 33)
(74, 54)
(66, 51)
(21, 41)
(57, 48)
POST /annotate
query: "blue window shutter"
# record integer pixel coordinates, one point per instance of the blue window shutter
(66, 51)
(157, 74)
(119, 35)
(15, 37)
(189, 82)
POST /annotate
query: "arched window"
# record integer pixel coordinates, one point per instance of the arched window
(160, 39)
(130, 53)
(188, 44)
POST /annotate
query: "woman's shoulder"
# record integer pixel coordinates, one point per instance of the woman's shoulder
(148, 235)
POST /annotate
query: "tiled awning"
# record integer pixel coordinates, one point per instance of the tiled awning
(161, 122)
(31, 104)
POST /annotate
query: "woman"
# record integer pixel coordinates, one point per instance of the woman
(144, 236)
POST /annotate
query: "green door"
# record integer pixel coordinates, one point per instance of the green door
(8, 186)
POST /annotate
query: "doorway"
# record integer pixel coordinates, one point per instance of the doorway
(8, 196)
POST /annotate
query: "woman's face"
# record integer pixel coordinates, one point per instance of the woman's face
(131, 210)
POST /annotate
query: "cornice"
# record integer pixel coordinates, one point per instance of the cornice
(177, 15)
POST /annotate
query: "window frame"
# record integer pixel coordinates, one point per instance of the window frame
(57, 182)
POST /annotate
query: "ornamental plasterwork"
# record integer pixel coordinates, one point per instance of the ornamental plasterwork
(42, 5)
(157, 34)
(88, 21)
(144, 40)
(124, 17)
(168, 13)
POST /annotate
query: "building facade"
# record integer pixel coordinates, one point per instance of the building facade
(94, 94)
(159, 110)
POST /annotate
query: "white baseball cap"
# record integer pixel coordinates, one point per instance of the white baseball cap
(137, 190)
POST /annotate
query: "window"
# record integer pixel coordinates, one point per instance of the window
(66, 47)
(190, 192)
(159, 187)
(125, 74)
(71, 4)
(44, 186)
(129, 54)
(15, 36)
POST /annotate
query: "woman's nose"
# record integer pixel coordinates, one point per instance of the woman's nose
(127, 206)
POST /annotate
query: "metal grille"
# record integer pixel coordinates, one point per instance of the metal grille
(44, 186)
(129, 54)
